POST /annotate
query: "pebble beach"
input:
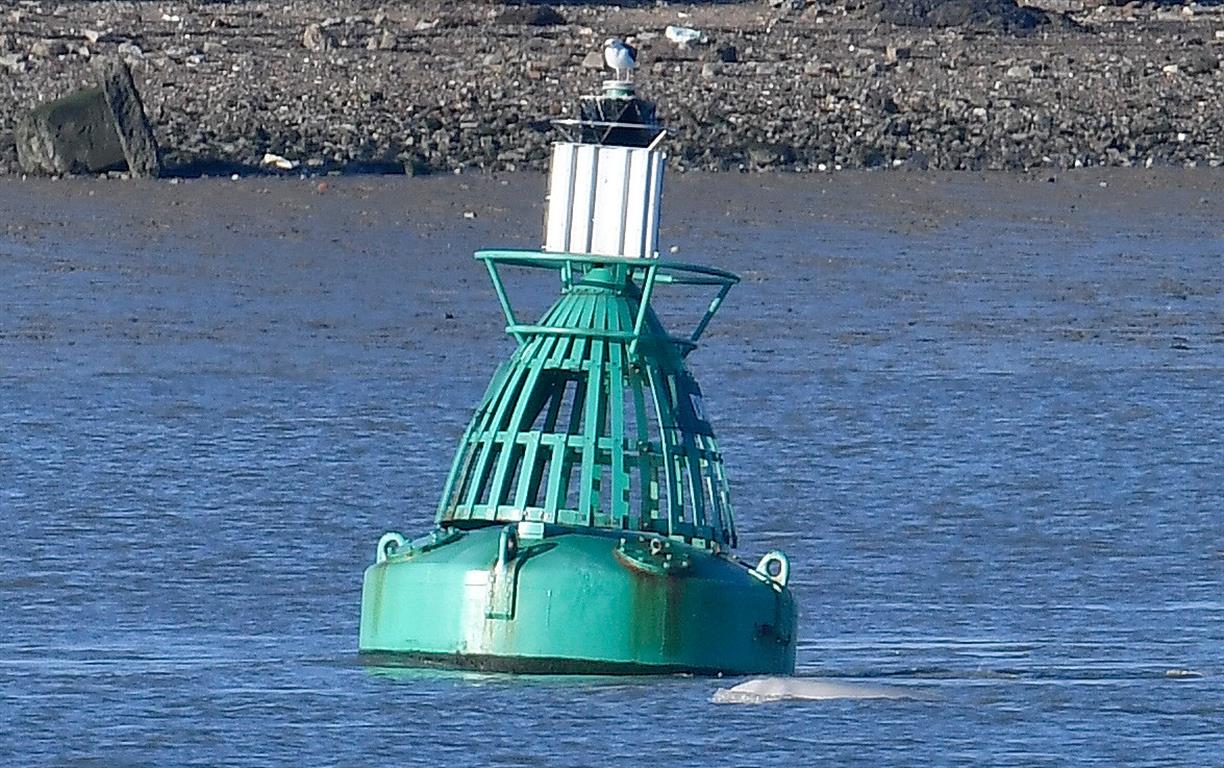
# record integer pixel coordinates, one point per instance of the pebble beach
(420, 87)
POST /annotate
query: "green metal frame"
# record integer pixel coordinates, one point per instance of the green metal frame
(595, 421)
(652, 272)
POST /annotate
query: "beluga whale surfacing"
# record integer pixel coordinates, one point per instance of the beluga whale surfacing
(771, 689)
(586, 523)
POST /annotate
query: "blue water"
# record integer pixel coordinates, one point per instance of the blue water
(992, 449)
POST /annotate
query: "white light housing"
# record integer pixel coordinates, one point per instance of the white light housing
(604, 200)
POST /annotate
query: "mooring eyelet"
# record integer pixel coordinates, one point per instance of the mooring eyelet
(388, 545)
(767, 564)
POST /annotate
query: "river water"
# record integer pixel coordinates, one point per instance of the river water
(984, 423)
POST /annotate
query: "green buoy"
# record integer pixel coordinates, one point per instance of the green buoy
(586, 524)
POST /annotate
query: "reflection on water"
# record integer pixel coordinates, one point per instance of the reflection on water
(993, 455)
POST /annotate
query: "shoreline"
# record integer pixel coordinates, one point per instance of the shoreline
(474, 210)
(1023, 272)
(432, 87)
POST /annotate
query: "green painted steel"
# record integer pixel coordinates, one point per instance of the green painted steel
(595, 421)
(581, 601)
(586, 523)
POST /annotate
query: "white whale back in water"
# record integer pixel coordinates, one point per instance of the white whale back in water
(765, 689)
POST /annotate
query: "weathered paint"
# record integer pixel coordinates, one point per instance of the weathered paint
(575, 600)
(626, 566)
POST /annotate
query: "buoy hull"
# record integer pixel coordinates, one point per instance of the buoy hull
(575, 602)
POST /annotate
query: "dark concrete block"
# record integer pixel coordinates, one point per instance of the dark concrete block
(8, 153)
(135, 134)
(91, 131)
(74, 134)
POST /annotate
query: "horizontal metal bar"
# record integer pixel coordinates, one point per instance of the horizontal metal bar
(679, 280)
(557, 260)
(607, 124)
(556, 330)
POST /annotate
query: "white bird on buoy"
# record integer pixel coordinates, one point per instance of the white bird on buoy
(620, 56)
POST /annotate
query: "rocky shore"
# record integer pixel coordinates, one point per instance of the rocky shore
(809, 86)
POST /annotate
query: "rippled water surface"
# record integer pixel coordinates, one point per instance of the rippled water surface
(993, 447)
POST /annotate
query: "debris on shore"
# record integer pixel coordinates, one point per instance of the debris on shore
(93, 130)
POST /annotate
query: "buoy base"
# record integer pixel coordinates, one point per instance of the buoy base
(527, 665)
(572, 601)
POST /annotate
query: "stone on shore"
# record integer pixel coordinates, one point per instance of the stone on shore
(532, 16)
(91, 131)
(593, 60)
(1006, 15)
(764, 155)
(836, 84)
(318, 39)
(45, 49)
(1200, 61)
(8, 149)
(13, 63)
(384, 41)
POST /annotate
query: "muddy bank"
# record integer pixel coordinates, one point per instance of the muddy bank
(804, 86)
(936, 271)
(466, 212)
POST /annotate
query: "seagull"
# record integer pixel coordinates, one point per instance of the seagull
(620, 57)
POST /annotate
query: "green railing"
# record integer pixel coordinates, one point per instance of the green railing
(646, 273)
(594, 421)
